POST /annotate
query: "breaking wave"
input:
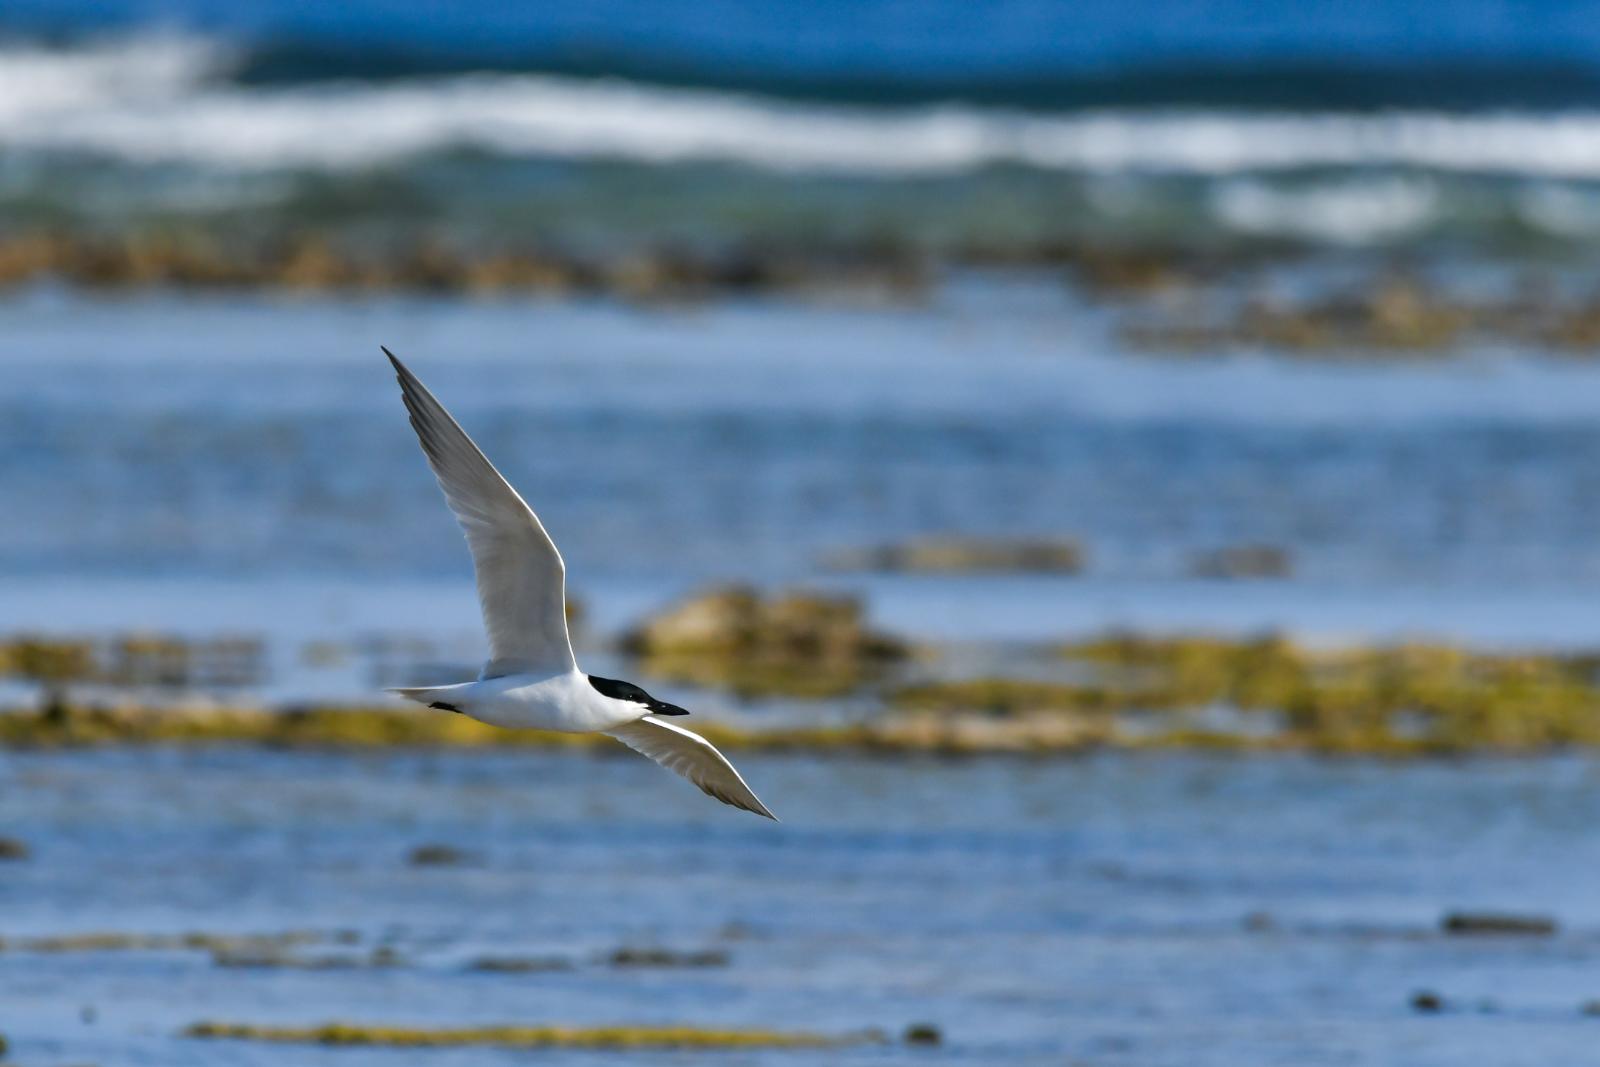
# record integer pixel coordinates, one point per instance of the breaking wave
(173, 100)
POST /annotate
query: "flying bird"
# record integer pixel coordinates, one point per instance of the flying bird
(532, 678)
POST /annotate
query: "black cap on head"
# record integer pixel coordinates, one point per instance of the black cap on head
(620, 690)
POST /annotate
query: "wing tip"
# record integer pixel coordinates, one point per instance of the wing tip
(754, 804)
(754, 807)
(401, 371)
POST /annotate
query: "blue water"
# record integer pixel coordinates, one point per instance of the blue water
(254, 436)
(240, 465)
(929, 128)
(1037, 912)
(1029, 50)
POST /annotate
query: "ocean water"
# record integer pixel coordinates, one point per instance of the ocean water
(937, 128)
(1120, 910)
(241, 466)
(238, 466)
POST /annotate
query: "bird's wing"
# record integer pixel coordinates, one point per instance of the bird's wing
(521, 579)
(692, 756)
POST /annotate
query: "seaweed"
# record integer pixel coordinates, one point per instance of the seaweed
(595, 1037)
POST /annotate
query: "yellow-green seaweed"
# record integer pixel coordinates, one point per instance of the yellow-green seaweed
(1137, 691)
(220, 944)
(591, 1037)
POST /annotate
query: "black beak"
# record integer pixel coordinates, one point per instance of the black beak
(661, 707)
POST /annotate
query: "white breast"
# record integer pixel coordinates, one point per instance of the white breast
(565, 702)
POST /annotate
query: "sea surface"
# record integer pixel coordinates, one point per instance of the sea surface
(242, 464)
(1115, 910)
(236, 466)
(939, 127)
(204, 466)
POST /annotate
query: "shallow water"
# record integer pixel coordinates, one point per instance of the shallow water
(1037, 912)
(242, 466)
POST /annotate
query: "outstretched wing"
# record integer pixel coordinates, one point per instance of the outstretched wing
(521, 579)
(692, 756)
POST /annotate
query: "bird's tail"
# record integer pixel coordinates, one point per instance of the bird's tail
(435, 696)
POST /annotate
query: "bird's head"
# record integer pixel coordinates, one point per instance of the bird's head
(632, 694)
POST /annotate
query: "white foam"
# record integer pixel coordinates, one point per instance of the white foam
(1354, 212)
(161, 101)
(37, 83)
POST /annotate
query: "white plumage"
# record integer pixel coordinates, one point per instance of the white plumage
(532, 678)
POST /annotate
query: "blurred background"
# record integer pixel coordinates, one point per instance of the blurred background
(1120, 479)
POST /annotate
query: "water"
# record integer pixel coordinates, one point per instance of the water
(240, 465)
(934, 128)
(1035, 912)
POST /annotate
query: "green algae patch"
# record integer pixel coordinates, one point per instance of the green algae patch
(363, 728)
(1004, 696)
(1269, 694)
(133, 659)
(1405, 699)
(1393, 314)
(598, 1037)
(1122, 690)
(64, 725)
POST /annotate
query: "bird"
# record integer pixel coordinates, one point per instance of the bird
(531, 679)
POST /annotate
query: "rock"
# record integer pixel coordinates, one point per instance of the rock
(1129, 270)
(1427, 1002)
(1471, 923)
(725, 621)
(12, 848)
(385, 956)
(311, 264)
(279, 960)
(736, 620)
(436, 856)
(1242, 561)
(1260, 922)
(497, 273)
(519, 964)
(799, 644)
(957, 555)
(265, 957)
(662, 957)
(48, 660)
(923, 1034)
(1399, 313)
